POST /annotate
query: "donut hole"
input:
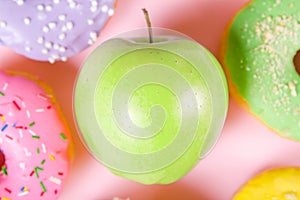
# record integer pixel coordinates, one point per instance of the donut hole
(296, 61)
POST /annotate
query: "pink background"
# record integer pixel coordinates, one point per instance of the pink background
(244, 149)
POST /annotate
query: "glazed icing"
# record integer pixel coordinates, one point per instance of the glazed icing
(33, 139)
(261, 42)
(280, 183)
(52, 30)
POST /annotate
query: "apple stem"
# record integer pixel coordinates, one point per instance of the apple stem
(148, 24)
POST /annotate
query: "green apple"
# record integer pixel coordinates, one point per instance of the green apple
(150, 111)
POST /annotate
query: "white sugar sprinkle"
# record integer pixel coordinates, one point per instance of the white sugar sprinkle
(62, 17)
(27, 20)
(19, 2)
(48, 45)
(93, 35)
(49, 8)
(46, 29)
(69, 25)
(90, 22)
(51, 60)
(52, 25)
(3, 24)
(62, 49)
(94, 3)
(40, 40)
(64, 28)
(90, 42)
(110, 12)
(64, 59)
(40, 7)
(56, 46)
(45, 51)
(73, 4)
(62, 36)
(93, 9)
(55, 56)
(28, 49)
(104, 8)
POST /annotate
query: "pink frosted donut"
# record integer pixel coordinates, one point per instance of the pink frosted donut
(34, 141)
(52, 29)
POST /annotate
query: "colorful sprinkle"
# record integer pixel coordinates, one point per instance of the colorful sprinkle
(19, 127)
(23, 193)
(36, 169)
(16, 105)
(22, 165)
(44, 148)
(38, 150)
(9, 137)
(31, 124)
(36, 137)
(43, 186)
(7, 190)
(32, 172)
(51, 157)
(42, 96)
(40, 110)
(4, 170)
(4, 127)
(63, 136)
(55, 180)
(31, 132)
(2, 94)
(27, 153)
(28, 113)
(5, 86)
(23, 189)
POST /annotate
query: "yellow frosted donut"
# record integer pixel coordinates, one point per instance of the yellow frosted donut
(275, 184)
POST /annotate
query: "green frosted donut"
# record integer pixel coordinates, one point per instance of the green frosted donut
(258, 50)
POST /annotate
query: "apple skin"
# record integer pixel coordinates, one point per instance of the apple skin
(117, 111)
